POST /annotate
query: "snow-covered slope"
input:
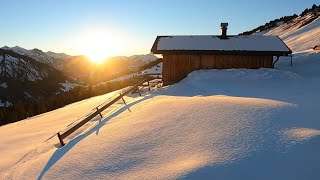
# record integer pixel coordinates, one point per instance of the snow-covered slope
(215, 124)
(15, 66)
(156, 70)
(296, 37)
(35, 130)
(301, 33)
(11, 65)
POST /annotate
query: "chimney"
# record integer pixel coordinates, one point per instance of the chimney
(224, 28)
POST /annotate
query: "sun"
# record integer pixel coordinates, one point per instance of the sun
(98, 45)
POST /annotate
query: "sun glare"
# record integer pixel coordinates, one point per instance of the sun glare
(98, 45)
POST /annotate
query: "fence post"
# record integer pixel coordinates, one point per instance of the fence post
(60, 139)
(124, 101)
(99, 112)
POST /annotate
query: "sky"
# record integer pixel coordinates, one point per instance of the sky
(128, 27)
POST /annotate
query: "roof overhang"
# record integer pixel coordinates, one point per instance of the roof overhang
(155, 50)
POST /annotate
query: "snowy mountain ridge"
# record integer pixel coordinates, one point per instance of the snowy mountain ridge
(300, 33)
(22, 78)
(49, 58)
(20, 67)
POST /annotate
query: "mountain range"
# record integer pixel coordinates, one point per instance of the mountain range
(30, 74)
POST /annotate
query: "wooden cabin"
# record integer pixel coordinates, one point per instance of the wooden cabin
(317, 48)
(184, 54)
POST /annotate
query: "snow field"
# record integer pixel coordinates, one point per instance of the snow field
(215, 124)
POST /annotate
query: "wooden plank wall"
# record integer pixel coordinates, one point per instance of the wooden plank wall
(177, 66)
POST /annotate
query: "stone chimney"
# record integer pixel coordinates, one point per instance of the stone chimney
(224, 28)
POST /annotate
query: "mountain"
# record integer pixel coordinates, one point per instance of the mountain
(144, 58)
(57, 55)
(27, 78)
(300, 33)
(49, 58)
(82, 69)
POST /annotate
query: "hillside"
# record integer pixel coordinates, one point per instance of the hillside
(300, 33)
(248, 124)
(27, 78)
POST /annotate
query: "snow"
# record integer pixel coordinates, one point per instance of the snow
(214, 124)
(5, 103)
(10, 65)
(38, 55)
(36, 130)
(233, 43)
(300, 134)
(4, 85)
(67, 86)
(154, 70)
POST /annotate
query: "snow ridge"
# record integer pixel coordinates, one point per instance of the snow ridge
(300, 34)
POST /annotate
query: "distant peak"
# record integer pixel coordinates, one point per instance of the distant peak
(37, 50)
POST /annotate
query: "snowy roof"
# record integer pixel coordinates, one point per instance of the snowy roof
(214, 44)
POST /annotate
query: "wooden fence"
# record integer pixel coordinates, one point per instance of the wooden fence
(98, 111)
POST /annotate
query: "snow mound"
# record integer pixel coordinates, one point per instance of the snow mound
(133, 145)
(300, 134)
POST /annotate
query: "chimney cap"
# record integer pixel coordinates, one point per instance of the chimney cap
(224, 25)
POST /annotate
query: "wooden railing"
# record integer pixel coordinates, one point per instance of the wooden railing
(98, 111)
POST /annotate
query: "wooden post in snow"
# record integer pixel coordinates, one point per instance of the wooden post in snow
(60, 139)
(99, 112)
(124, 101)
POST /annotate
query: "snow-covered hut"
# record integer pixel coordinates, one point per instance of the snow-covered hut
(184, 54)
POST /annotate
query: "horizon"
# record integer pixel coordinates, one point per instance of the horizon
(108, 29)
